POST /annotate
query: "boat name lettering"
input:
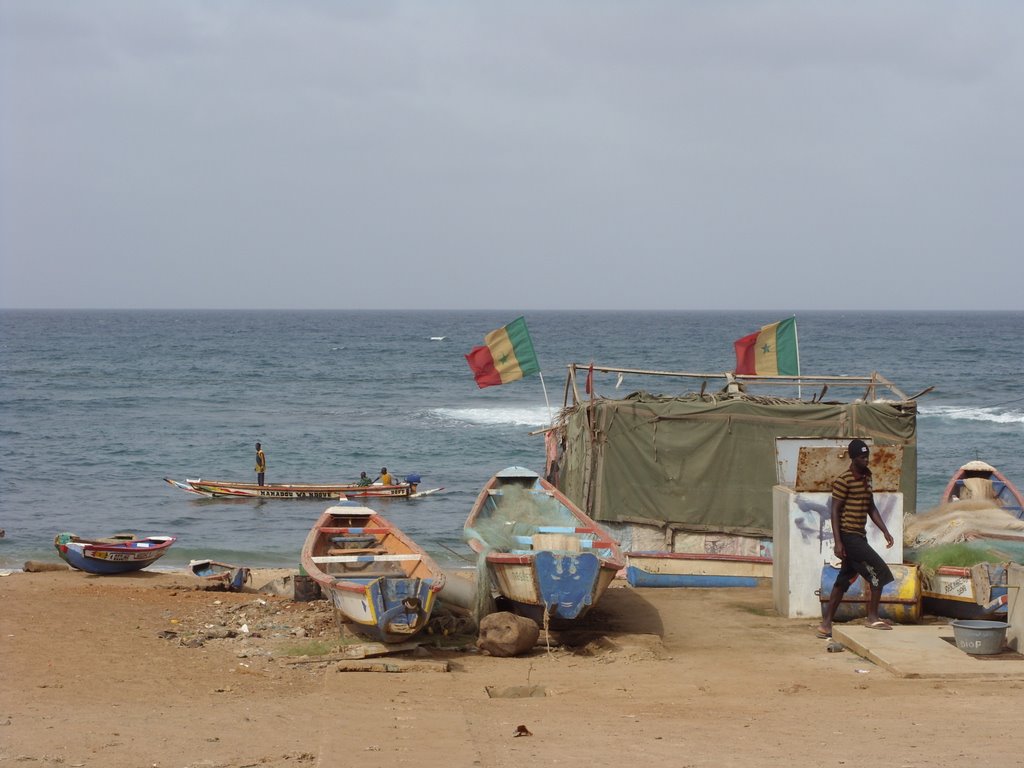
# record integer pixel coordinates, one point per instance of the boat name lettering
(119, 556)
(959, 586)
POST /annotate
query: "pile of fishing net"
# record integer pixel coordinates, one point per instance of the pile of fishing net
(960, 521)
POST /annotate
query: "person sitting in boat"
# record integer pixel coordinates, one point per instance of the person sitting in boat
(385, 477)
(364, 479)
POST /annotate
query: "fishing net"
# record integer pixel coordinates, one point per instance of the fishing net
(962, 555)
(960, 521)
(503, 525)
(520, 513)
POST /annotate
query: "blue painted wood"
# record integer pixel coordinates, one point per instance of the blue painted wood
(638, 577)
(566, 581)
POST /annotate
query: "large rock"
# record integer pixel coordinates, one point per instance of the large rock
(506, 634)
(41, 566)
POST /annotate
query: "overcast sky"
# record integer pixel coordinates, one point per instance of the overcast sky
(524, 155)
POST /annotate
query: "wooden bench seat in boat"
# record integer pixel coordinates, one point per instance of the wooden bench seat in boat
(365, 575)
(350, 558)
(346, 551)
(530, 491)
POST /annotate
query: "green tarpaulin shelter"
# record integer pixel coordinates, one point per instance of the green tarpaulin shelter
(702, 462)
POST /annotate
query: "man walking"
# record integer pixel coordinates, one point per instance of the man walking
(261, 464)
(853, 502)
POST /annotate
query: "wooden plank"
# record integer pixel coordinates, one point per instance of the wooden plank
(365, 650)
(363, 558)
(354, 531)
(392, 665)
(346, 551)
(356, 651)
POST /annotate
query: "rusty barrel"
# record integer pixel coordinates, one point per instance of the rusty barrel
(901, 598)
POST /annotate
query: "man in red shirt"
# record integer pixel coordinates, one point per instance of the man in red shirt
(853, 503)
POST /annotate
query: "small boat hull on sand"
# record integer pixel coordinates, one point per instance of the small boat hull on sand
(376, 577)
(232, 577)
(958, 593)
(543, 554)
(685, 569)
(116, 554)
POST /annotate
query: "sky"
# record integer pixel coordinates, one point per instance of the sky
(672, 155)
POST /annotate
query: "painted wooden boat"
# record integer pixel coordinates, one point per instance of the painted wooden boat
(116, 554)
(232, 577)
(221, 489)
(966, 593)
(543, 554)
(980, 481)
(900, 602)
(375, 576)
(690, 569)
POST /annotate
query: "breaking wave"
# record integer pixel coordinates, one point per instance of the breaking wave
(992, 415)
(532, 416)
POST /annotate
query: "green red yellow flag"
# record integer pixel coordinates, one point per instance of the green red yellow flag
(772, 351)
(507, 355)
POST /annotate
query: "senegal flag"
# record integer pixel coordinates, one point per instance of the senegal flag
(772, 351)
(507, 355)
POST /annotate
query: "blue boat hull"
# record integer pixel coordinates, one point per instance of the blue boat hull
(104, 568)
(111, 556)
(638, 577)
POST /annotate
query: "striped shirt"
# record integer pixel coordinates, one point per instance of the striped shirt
(857, 495)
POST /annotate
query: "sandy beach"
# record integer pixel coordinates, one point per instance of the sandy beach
(153, 669)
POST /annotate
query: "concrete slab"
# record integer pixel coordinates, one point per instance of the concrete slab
(923, 652)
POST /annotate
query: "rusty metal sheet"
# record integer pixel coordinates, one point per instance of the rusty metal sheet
(816, 468)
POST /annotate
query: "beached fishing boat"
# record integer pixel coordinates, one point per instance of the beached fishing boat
(542, 553)
(116, 554)
(979, 481)
(221, 489)
(376, 577)
(691, 569)
(978, 592)
(232, 577)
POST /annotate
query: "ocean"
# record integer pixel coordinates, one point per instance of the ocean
(97, 407)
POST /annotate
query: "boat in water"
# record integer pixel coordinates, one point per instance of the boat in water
(375, 576)
(120, 553)
(222, 489)
(542, 553)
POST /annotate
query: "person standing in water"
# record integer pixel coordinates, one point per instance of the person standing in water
(261, 464)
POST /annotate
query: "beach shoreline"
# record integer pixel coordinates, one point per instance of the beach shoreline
(153, 669)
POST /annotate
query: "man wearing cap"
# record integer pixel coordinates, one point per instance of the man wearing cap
(853, 503)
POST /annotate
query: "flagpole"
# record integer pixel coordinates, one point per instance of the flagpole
(796, 339)
(551, 419)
